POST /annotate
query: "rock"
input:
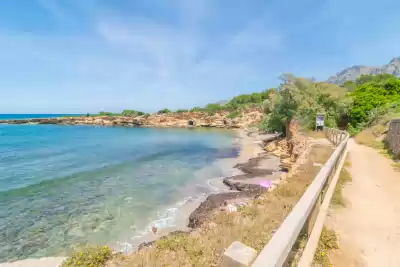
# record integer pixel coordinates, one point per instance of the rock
(213, 202)
(238, 255)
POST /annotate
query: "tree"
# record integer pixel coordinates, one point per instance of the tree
(372, 93)
(302, 99)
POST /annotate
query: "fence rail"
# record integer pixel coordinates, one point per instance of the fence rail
(309, 213)
(305, 213)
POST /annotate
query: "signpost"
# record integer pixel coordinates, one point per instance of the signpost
(319, 121)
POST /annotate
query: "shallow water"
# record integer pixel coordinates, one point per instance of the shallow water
(63, 186)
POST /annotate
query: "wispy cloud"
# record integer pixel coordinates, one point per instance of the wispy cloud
(109, 55)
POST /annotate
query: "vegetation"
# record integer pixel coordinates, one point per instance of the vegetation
(301, 99)
(233, 114)
(344, 178)
(355, 105)
(131, 113)
(105, 113)
(211, 109)
(327, 242)
(89, 257)
(164, 111)
(253, 225)
(373, 97)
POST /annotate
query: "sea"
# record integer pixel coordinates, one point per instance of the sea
(63, 187)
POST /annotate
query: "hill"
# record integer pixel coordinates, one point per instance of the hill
(354, 72)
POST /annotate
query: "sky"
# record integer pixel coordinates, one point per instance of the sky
(78, 56)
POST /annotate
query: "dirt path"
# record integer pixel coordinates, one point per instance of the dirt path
(369, 225)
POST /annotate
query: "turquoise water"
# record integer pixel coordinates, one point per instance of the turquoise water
(63, 186)
(32, 116)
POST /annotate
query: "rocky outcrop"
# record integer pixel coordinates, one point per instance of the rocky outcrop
(392, 139)
(290, 148)
(200, 215)
(178, 120)
(354, 72)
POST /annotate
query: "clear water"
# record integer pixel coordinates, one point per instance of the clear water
(32, 116)
(63, 186)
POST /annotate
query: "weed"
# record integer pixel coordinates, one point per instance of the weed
(327, 242)
(344, 178)
(89, 257)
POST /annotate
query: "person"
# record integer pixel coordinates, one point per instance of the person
(154, 229)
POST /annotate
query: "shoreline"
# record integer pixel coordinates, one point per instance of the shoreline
(249, 148)
(156, 120)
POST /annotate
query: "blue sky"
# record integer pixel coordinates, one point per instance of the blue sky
(73, 56)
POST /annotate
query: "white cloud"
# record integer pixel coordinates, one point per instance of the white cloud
(135, 62)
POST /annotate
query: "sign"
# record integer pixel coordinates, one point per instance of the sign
(320, 120)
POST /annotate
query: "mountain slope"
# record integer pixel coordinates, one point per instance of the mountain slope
(354, 72)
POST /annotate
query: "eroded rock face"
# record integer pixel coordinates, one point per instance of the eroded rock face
(178, 120)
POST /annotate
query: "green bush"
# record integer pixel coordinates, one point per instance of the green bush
(196, 109)
(182, 110)
(105, 113)
(163, 111)
(371, 98)
(233, 114)
(301, 99)
(211, 109)
(129, 113)
(89, 257)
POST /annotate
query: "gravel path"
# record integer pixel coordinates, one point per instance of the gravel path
(369, 225)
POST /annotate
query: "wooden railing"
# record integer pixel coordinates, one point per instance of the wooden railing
(309, 213)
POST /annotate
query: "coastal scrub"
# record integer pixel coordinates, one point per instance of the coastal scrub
(89, 257)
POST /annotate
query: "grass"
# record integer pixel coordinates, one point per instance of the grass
(252, 225)
(369, 136)
(89, 257)
(327, 243)
(344, 178)
(316, 134)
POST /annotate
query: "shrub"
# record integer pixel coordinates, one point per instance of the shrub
(129, 113)
(196, 109)
(89, 257)
(211, 109)
(181, 110)
(105, 113)
(372, 97)
(233, 114)
(163, 111)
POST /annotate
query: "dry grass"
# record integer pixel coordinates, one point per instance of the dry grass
(344, 178)
(368, 137)
(252, 225)
(316, 134)
(327, 243)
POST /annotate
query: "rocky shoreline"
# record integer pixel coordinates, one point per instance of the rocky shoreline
(177, 120)
(242, 188)
(257, 154)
